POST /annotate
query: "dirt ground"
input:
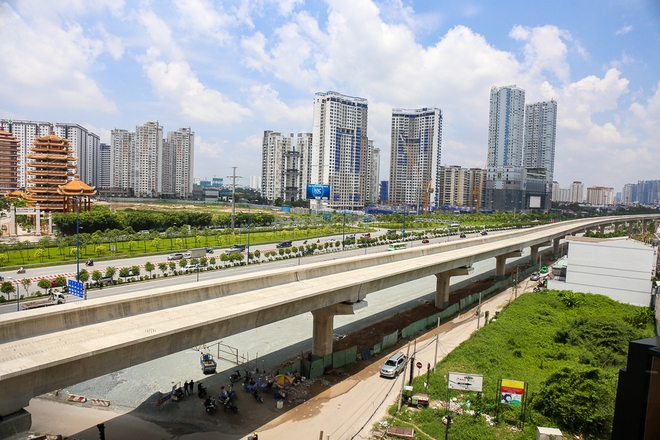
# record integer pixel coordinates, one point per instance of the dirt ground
(368, 337)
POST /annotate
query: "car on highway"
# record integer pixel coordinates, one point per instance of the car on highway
(463, 235)
(190, 268)
(176, 256)
(535, 276)
(367, 235)
(484, 232)
(425, 241)
(390, 232)
(333, 239)
(209, 250)
(394, 365)
(284, 244)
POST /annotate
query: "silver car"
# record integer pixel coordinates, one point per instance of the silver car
(394, 365)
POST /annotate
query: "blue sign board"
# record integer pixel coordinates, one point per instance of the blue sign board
(76, 288)
(318, 191)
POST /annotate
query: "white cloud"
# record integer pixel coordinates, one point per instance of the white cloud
(624, 30)
(175, 82)
(200, 18)
(545, 50)
(113, 44)
(55, 71)
(265, 103)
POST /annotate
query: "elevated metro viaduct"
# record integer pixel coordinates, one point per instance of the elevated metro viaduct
(46, 349)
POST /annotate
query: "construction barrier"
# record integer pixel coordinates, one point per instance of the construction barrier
(390, 340)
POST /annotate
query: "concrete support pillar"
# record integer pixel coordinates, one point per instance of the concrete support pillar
(555, 245)
(601, 229)
(15, 425)
(500, 263)
(323, 325)
(442, 285)
(534, 251)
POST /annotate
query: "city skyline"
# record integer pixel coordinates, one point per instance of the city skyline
(233, 70)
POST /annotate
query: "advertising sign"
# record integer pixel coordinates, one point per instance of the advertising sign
(465, 382)
(512, 392)
(318, 191)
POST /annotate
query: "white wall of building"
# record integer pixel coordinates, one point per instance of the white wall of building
(619, 268)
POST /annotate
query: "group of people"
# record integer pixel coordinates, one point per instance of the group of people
(188, 387)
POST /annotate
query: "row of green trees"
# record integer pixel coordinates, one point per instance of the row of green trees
(101, 218)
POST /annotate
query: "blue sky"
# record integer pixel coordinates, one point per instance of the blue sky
(232, 69)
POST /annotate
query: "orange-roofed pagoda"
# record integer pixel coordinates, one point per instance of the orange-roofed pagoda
(76, 189)
(9, 147)
(49, 166)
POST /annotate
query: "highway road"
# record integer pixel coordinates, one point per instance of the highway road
(69, 270)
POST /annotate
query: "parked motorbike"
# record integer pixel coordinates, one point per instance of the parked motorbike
(235, 377)
(210, 405)
(201, 390)
(227, 404)
(537, 289)
(255, 436)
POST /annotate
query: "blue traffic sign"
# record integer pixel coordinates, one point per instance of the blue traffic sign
(76, 288)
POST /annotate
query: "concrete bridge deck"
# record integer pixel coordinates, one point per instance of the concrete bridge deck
(45, 349)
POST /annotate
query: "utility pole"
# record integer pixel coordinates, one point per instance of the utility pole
(233, 195)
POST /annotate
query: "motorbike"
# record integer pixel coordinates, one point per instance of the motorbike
(89, 263)
(21, 270)
(210, 405)
(235, 377)
(255, 436)
(537, 289)
(227, 404)
(305, 242)
(201, 390)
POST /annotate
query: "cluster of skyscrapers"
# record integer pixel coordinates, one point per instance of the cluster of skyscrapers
(140, 163)
(518, 173)
(521, 151)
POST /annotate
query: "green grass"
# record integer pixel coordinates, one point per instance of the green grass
(580, 348)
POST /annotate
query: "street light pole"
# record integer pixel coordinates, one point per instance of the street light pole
(77, 238)
(343, 232)
(248, 244)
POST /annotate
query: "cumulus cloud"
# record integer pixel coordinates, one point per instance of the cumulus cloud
(265, 102)
(55, 71)
(201, 19)
(175, 82)
(545, 50)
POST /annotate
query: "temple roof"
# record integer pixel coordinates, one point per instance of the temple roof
(76, 187)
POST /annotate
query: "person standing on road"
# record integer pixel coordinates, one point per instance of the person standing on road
(185, 388)
(191, 387)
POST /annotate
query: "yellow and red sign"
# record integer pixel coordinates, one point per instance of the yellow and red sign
(512, 391)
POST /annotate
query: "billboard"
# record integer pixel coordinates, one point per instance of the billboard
(465, 382)
(512, 391)
(318, 191)
(534, 201)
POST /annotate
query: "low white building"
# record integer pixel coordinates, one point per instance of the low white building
(619, 268)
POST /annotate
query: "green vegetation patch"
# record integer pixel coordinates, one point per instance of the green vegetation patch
(567, 346)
